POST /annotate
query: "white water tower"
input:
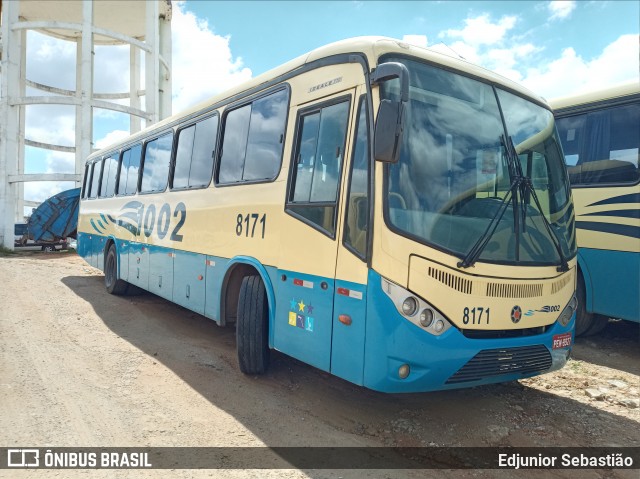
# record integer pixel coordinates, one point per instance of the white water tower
(145, 26)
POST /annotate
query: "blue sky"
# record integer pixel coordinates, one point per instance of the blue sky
(266, 34)
(552, 47)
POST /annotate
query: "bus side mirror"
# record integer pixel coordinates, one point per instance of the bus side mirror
(390, 119)
(388, 132)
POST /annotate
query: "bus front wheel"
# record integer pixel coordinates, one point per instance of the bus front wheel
(111, 281)
(252, 327)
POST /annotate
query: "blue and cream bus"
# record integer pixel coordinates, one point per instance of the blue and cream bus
(394, 216)
(600, 134)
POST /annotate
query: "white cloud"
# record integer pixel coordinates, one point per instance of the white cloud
(51, 61)
(561, 9)
(417, 40)
(494, 46)
(111, 63)
(481, 31)
(571, 73)
(60, 162)
(490, 45)
(54, 124)
(111, 138)
(41, 190)
(202, 63)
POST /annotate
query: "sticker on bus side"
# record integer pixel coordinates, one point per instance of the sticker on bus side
(296, 316)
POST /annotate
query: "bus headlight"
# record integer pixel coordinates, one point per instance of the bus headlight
(439, 326)
(408, 305)
(568, 311)
(426, 318)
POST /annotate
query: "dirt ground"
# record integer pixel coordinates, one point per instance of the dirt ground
(79, 367)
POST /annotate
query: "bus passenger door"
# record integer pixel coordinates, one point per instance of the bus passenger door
(309, 231)
(350, 302)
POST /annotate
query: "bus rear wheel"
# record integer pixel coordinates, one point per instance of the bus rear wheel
(599, 323)
(252, 327)
(587, 324)
(111, 281)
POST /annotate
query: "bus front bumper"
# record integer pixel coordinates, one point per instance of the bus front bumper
(395, 346)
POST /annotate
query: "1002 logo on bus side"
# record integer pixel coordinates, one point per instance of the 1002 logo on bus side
(141, 219)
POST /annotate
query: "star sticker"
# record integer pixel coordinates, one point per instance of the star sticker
(309, 309)
(301, 306)
(292, 304)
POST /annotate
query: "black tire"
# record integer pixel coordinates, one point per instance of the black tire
(48, 248)
(252, 338)
(584, 319)
(599, 323)
(111, 281)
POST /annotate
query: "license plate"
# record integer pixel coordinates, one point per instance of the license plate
(562, 341)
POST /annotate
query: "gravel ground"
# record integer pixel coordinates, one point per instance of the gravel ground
(79, 367)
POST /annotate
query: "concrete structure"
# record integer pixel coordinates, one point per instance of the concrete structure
(145, 26)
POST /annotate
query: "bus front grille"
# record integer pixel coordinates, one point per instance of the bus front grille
(496, 362)
(516, 290)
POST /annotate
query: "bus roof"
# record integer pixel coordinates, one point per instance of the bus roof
(601, 94)
(371, 46)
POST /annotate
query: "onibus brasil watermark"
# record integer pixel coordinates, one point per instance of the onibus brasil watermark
(32, 458)
(320, 457)
(520, 461)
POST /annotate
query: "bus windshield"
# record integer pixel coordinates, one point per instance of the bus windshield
(454, 171)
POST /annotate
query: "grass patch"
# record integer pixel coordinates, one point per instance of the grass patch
(4, 251)
(575, 365)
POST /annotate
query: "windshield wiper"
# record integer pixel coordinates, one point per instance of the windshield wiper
(515, 172)
(526, 186)
(521, 185)
(482, 242)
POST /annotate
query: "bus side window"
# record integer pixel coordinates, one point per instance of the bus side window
(602, 146)
(84, 181)
(253, 139)
(318, 165)
(128, 182)
(357, 219)
(96, 169)
(571, 132)
(194, 154)
(109, 175)
(155, 166)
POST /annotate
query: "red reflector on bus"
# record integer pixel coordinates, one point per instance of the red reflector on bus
(303, 283)
(350, 292)
(345, 319)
